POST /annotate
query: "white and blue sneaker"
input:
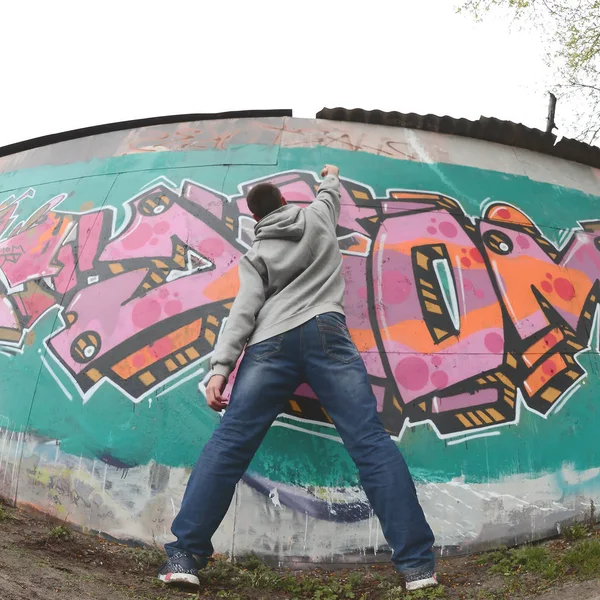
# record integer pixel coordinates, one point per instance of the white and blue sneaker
(420, 581)
(181, 567)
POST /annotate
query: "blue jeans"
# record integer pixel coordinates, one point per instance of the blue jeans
(321, 353)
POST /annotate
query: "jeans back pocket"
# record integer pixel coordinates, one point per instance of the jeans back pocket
(336, 339)
(266, 349)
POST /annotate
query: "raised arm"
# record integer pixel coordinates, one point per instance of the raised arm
(327, 201)
(239, 326)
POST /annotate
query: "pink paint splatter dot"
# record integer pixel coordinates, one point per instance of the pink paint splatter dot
(138, 237)
(173, 307)
(523, 241)
(439, 379)
(550, 340)
(433, 220)
(549, 276)
(436, 361)
(547, 287)
(146, 313)
(162, 347)
(543, 380)
(431, 230)
(463, 250)
(412, 373)
(549, 368)
(503, 213)
(465, 262)
(468, 285)
(494, 342)
(163, 293)
(448, 229)
(138, 361)
(211, 248)
(479, 294)
(396, 287)
(564, 288)
(162, 227)
(476, 255)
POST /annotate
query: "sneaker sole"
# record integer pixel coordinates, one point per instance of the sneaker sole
(421, 584)
(184, 578)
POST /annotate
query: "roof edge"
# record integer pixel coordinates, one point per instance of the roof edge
(73, 134)
(485, 128)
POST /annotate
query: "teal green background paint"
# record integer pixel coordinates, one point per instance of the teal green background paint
(171, 429)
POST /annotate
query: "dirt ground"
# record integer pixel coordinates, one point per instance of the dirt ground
(40, 559)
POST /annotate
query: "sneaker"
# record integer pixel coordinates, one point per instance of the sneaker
(181, 567)
(420, 581)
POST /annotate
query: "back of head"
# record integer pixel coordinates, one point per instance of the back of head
(263, 199)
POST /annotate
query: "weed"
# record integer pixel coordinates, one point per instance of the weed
(429, 593)
(3, 514)
(220, 570)
(493, 557)
(355, 579)
(60, 533)
(575, 532)
(584, 558)
(527, 559)
(252, 562)
(146, 558)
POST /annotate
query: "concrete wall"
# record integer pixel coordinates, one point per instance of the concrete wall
(472, 284)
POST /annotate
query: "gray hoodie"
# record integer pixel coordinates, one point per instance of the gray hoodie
(291, 274)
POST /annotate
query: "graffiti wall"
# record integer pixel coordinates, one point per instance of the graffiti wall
(471, 294)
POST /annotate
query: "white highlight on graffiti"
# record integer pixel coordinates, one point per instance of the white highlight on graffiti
(461, 285)
(421, 152)
(156, 180)
(303, 420)
(442, 269)
(55, 377)
(196, 373)
(563, 236)
(274, 497)
(245, 226)
(559, 405)
(195, 263)
(305, 530)
(473, 437)
(368, 241)
(447, 493)
(381, 247)
(93, 279)
(316, 433)
(503, 291)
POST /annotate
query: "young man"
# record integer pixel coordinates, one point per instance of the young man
(289, 316)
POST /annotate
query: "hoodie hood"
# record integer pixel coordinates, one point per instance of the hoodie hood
(285, 223)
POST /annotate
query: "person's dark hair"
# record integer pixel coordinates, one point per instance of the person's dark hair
(263, 199)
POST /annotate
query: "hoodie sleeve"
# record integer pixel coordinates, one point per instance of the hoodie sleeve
(327, 201)
(241, 321)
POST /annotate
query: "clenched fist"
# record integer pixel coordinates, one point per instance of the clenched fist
(330, 170)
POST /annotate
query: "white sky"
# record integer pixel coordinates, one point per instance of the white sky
(69, 64)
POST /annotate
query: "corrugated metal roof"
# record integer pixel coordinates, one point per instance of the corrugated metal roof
(488, 129)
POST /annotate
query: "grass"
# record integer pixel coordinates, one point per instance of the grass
(576, 532)
(60, 533)
(146, 558)
(3, 514)
(536, 567)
